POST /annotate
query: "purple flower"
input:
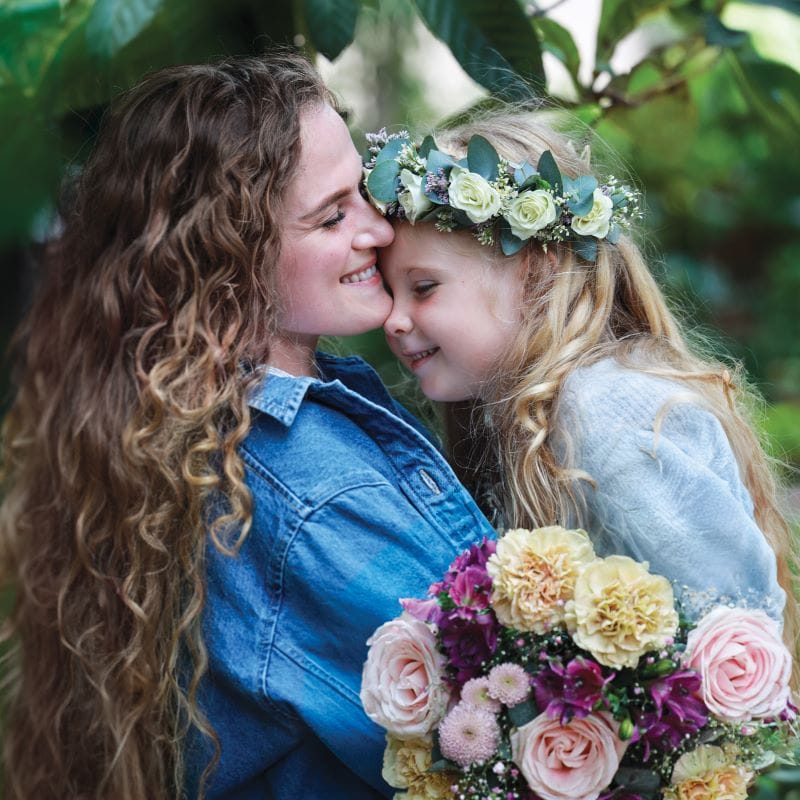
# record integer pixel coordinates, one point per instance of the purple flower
(678, 711)
(470, 591)
(571, 691)
(423, 610)
(468, 642)
(475, 556)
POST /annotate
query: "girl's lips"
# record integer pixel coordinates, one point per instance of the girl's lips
(416, 360)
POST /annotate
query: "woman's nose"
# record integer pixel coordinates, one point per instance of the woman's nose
(374, 230)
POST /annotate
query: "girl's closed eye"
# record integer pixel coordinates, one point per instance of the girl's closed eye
(424, 288)
(333, 221)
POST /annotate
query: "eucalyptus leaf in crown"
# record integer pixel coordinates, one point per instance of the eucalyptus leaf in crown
(494, 198)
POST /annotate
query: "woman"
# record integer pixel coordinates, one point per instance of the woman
(203, 520)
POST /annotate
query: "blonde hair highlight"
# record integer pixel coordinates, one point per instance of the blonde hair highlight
(575, 314)
(120, 449)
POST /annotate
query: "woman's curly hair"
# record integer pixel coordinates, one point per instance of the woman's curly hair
(131, 399)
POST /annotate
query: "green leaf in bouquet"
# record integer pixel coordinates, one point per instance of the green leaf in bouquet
(428, 144)
(112, 24)
(522, 713)
(438, 761)
(634, 780)
(331, 24)
(482, 158)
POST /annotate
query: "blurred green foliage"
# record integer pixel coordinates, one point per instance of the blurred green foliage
(709, 116)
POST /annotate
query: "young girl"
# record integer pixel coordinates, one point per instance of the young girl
(571, 395)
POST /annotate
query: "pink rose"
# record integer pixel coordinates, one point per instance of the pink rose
(401, 685)
(744, 665)
(568, 762)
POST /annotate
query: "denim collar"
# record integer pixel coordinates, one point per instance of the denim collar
(280, 395)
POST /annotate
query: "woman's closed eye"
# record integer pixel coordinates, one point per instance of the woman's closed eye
(331, 223)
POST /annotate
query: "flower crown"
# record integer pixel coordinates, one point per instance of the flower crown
(488, 195)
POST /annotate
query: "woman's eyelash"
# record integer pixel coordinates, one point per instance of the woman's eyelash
(333, 221)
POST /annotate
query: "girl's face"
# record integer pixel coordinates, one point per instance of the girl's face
(329, 284)
(455, 312)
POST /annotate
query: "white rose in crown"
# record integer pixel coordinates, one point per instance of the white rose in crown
(598, 220)
(412, 198)
(381, 206)
(531, 211)
(473, 194)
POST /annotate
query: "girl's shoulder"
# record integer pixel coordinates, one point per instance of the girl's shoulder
(606, 405)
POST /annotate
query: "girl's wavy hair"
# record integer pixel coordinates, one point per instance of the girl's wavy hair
(131, 399)
(575, 314)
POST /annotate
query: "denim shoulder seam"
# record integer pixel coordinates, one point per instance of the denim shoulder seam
(260, 470)
(269, 643)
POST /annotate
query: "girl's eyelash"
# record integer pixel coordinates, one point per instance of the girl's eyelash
(334, 221)
(422, 289)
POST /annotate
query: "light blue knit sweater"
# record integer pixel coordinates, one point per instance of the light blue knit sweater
(674, 499)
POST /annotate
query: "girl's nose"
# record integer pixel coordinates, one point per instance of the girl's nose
(398, 322)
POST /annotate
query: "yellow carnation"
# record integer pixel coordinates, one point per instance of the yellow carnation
(534, 575)
(620, 611)
(708, 774)
(405, 766)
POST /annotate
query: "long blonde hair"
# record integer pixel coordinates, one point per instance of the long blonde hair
(577, 313)
(131, 398)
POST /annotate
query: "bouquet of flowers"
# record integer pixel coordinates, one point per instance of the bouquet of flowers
(535, 669)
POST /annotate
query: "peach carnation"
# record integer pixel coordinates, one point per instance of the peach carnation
(707, 774)
(405, 766)
(621, 611)
(534, 575)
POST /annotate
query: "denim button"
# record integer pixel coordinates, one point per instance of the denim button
(429, 482)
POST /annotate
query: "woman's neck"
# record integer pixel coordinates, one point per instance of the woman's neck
(294, 357)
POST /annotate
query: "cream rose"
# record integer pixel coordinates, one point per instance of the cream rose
(743, 662)
(401, 684)
(621, 611)
(473, 194)
(531, 211)
(412, 198)
(406, 765)
(534, 573)
(598, 220)
(707, 772)
(568, 762)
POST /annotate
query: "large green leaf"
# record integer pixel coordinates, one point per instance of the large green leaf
(620, 17)
(31, 32)
(331, 24)
(558, 41)
(114, 23)
(493, 41)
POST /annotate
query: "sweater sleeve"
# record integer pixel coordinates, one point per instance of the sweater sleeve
(672, 497)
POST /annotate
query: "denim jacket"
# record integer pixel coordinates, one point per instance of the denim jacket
(354, 508)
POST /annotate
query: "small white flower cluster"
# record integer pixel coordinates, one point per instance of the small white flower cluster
(528, 203)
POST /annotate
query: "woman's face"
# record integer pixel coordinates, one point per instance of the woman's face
(327, 275)
(455, 313)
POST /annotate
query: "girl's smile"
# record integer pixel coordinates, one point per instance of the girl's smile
(455, 312)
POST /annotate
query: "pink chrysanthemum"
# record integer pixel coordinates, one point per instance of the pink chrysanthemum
(509, 683)
(468, 734)
(475, 692)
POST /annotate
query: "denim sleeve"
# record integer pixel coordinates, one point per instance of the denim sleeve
(675, 499)
(346, 567)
